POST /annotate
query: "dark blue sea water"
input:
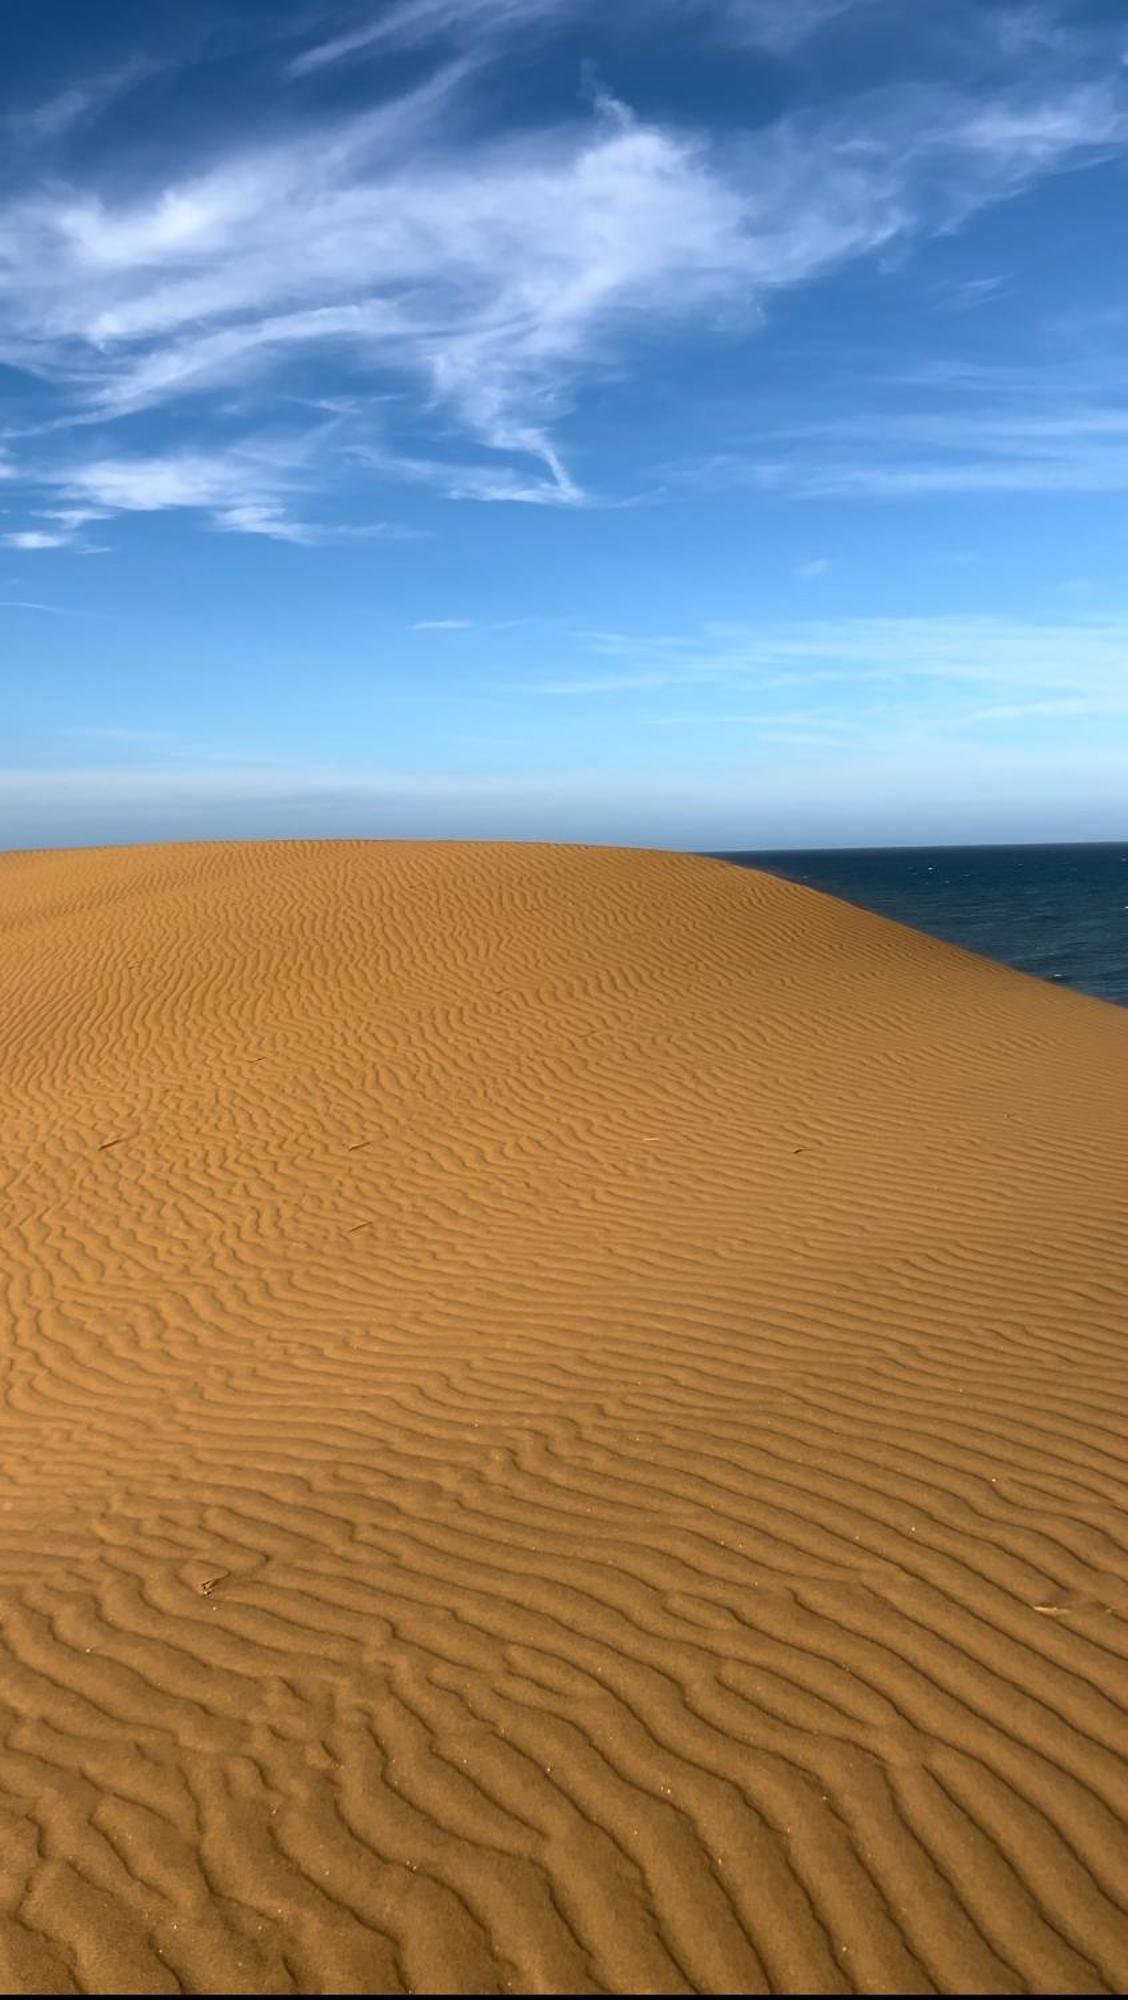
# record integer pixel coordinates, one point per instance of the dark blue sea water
(1058, 912)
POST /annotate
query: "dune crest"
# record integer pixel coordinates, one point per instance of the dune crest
(559, 1431)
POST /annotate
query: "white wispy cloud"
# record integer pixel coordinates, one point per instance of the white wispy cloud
(147, 484)
(940, 669)
(1035, 28)
(1066, 707)
(76, 104)
(847, 695)
(56, 528)
(813, 728)
(1032, 131)
(494, 275)
(473, 624)
(969, 294)
(412, 23)
(30, 539)
(459, 480)
(779, 25)
(32, 604)
(70, 519)
(243, 490)
(489, 276)
(1040, 440)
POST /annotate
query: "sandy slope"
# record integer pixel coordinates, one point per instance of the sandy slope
(559, 1429)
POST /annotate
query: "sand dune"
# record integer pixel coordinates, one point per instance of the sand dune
(559, 1430)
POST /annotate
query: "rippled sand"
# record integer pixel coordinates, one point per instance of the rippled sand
(559, 1430)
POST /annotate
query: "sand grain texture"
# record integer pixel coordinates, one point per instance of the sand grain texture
(559, 1430)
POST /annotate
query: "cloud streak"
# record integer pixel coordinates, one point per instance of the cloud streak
(912, 673)
(32, 604)
(781, 26)
(1042, 440)
(76, 105)
(417, 23)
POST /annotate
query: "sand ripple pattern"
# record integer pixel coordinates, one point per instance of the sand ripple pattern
(560, 1431)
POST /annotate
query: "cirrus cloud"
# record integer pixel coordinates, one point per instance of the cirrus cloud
(481, 281)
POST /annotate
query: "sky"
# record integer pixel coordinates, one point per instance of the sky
(696, 424)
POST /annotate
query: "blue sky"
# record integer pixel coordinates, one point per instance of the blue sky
(693, 423)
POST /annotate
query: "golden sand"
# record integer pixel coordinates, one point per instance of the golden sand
(559, 1431)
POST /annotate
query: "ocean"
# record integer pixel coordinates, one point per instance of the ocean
(1059, 912)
